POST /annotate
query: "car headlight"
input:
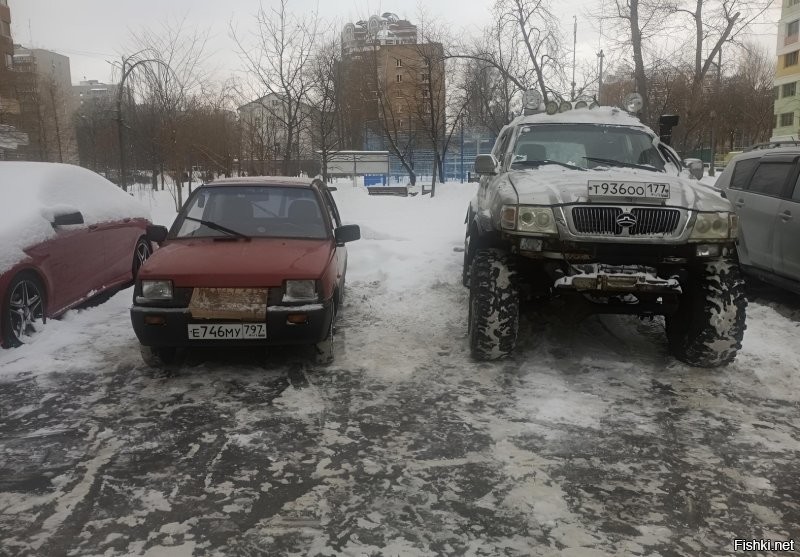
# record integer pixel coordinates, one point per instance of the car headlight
(157, 289)
(715, 226)
(300, 291)
(539, 220)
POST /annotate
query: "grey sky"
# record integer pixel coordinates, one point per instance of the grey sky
(93, 31)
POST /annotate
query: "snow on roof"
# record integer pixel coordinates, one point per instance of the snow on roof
(607, 115)
(31, 193)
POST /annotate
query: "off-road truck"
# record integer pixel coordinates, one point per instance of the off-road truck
(590, 203)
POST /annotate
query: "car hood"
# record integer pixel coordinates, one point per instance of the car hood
(259, 262)
(552, 185)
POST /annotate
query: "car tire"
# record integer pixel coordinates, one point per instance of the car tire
(23, 308)
(141, 253)
(158, 356)
(323, 350)
(493, 305)
(708, 327)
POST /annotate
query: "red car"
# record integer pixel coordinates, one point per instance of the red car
(66, 235)
(247, 262)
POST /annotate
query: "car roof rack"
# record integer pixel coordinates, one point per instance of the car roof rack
(773, 144)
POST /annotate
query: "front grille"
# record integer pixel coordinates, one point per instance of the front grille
(602, 221)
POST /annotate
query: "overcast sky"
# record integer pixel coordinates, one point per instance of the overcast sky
(93, 31)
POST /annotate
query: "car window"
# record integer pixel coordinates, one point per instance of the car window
(579, 144)
(502, 145)
(330, 205)
(742, 172)
(796, 194)
(770, 178)
(256, 211)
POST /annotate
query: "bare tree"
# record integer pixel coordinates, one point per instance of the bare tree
(325, 122)
(278, 57)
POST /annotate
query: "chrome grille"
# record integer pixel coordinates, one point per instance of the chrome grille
(651, 222)
(602, 221)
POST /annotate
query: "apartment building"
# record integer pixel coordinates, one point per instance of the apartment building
(786, 123)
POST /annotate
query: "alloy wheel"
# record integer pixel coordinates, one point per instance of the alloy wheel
(26, 309)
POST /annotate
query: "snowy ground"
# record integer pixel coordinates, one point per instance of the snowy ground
(591, 441)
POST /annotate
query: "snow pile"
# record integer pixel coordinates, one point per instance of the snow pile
(606, 115)
(32, 193)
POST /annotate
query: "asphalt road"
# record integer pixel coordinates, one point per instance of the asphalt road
(592, 441)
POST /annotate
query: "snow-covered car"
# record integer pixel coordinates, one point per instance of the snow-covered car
(66, 235)
(248, 262)
(589, 203)
(764, 188)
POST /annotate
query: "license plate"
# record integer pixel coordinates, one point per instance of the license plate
(647, 190)
(227, 331)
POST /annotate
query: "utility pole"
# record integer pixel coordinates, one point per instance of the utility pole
(600, 55)
(711, 171)
(574, 46)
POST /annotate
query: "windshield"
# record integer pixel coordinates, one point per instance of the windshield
(586, 146)
(251, 211)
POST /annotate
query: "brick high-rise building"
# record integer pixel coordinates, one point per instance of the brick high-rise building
(787, 93)
(391, 82)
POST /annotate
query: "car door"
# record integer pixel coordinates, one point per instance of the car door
(336, 221)
(71, 262)
(787, 236)
(756, 190)
(119, 241)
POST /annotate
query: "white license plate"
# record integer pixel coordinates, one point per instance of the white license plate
(651, 190)
(227, 331)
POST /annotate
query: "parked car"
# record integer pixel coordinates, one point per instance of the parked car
(763, 185)
(66, 235)
(247, 262)
(589, 204)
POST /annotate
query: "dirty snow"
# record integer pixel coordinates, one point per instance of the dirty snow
(592, 440)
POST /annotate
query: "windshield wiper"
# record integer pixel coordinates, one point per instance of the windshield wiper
(623, 164)
(218, 227)
(548, 161)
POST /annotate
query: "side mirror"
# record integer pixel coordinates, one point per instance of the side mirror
(486, 164)
(347, 233)
(695, 167)
(334, 188)
(156, 234)
(65, 219)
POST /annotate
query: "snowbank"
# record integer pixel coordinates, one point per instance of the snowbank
(32, 193)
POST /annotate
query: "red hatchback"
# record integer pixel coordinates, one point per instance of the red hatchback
(66, 234)
(247, 262)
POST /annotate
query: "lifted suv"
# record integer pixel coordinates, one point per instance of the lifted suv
(590, 204)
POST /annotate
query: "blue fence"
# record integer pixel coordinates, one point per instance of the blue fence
(458, 161)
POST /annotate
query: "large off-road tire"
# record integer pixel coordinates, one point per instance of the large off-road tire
(158, 356)
(708, 327)
(493, 305)
(467, 262)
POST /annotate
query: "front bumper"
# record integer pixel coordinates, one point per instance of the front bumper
(172, 326)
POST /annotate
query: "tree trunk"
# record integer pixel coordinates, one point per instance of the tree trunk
(638, 59)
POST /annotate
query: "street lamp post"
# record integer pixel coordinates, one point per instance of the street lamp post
(127, 68)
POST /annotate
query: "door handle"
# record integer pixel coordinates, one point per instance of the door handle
(92, 227)
(786, 216)
(739, 203)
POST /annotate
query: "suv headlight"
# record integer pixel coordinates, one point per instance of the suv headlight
(537, 220)
(300, 291)
(715, 226)
(157, 289)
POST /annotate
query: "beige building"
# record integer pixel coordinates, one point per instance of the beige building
(44, 89)
(786, 123)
